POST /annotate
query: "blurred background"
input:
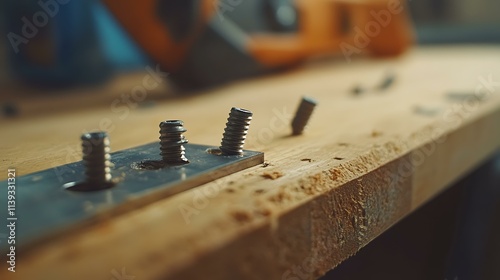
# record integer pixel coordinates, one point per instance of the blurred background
(456, 21)
(95, 47)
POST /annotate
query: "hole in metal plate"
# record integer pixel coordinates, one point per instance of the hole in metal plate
(47, 209)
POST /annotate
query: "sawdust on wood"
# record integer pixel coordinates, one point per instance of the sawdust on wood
(241, 216)
(376, 133)
(272, 175)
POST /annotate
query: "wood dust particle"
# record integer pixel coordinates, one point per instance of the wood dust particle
(241, 216)
(278, 198)
(264, 212)
(272, 175)
(334, 174)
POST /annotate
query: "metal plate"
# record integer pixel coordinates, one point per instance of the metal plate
(45, 208)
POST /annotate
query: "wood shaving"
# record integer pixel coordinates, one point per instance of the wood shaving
(272, 175)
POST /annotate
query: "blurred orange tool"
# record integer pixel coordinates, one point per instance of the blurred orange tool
(208, 42)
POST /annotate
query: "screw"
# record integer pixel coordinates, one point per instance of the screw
(96, 158)
(172, 142)
(303, 114)
(387, 82)
(236, 131)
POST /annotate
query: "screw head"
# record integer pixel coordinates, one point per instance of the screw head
(241, 111)
(173, 126)
(94, 135)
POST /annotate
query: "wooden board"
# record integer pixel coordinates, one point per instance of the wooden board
(363, 164)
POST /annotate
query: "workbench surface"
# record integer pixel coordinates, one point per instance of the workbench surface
(365, 161)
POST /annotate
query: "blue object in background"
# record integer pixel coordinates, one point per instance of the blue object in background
(120, 50)
(55, 43)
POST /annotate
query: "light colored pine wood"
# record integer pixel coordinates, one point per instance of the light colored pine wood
(363, 164)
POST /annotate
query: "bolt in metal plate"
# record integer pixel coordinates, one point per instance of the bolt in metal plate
(45, 208)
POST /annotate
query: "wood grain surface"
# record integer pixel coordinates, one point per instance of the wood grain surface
(364, 162)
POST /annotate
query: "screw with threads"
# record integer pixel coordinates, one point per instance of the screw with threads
(303, 115)
(96, 158)
(172, 142)
(236, 131)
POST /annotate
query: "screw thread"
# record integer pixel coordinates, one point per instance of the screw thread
(236, 131)
(96, 158)
(172, 141)
(303, 114)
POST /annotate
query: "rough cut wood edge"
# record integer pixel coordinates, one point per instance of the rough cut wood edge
(300, 225)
